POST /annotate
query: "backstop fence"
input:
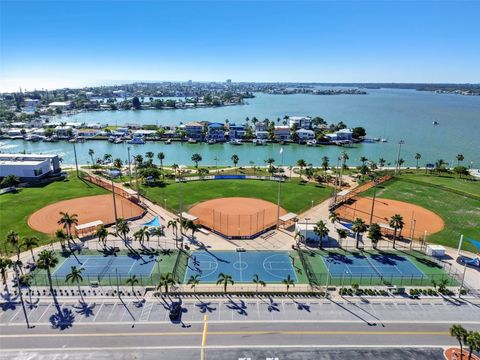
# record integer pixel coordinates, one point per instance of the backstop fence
(238, 225)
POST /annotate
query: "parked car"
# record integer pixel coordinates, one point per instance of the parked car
(175, 311)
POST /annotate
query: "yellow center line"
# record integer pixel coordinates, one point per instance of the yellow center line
(204, 333)
(204, 337)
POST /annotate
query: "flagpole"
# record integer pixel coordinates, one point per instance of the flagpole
(278, 195)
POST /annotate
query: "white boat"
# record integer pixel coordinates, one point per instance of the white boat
(383, 140)
(168, 142)
(137, 141)
(118, 141)
(236, 142)
(111, 139)
(259, 142)
(211, 141)
(435, 123)
(192, 141)
(312, 142)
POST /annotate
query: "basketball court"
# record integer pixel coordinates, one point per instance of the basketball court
(416, 218)
(270, 266)
(237, 217)
(88, 209)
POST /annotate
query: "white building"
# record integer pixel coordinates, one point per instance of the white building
(302, 122)
(307, 230)
(63, 105)
(282, 133)
(29, 167)
(305, 134)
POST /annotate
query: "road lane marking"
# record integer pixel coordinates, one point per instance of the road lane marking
(258, 332)
(314, 346)
(204, 337)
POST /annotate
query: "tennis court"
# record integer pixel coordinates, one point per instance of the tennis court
(107, 266)
(382, 265)
(270, 266)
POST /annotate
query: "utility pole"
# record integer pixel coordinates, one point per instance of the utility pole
(114, 202)
(373, 201)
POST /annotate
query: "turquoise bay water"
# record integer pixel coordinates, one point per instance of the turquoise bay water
(394, 114)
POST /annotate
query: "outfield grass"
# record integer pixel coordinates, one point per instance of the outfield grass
(431, 270)
(461, 213)
(296, 197)
(15, 208)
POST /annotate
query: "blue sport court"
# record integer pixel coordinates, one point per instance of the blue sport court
(110, 266)
(270, 266)
(375, 265)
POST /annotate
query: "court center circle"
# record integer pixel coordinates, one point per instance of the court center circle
(240, 265)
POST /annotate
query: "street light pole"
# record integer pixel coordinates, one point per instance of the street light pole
(114, 201)
(373, 201)
(306, 227)
(278, 195)
(180, 204)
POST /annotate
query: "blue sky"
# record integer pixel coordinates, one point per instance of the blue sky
(75, 43)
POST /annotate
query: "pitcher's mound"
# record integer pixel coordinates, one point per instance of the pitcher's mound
(89, 208)
(237, 217)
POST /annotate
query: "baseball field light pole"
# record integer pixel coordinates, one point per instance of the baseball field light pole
(114, 200)
(278, 194)
(76, 160)
(129, 166)
(306, 229)
(180, 202)
(373, 200)
(337, 172)
(397, 168)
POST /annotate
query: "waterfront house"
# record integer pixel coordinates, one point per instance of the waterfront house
(63, 132)
(261, 134)
(236, 131)
(261, 126)
(88, 133)
(282, 133)
(216, 132)
(62, 105)
(302, 122)
(304, 135)
(29, 167)
(340, 135)
(194, 130)
(30, 106)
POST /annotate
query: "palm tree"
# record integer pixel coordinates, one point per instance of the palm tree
(473, 342)
(174, 226)
(61, 236)
(358, 227)
(75, 276)
(270, 162)
(122, 228)
(107, 157)
(440, 165)
(374, 234)
(141, 235)
(235, 159)
(118, 163)
(161, 157)
(47, 261)
(459, 333)
(363, 160)
(334, 217)
(5, 264)
(325, 165)
(418, 156)
(460, 158)
(68, 221)
(225, 279)
(158, 232)
(149, 155)
(257, 281)
(298, 238)
(301, 164)
(196, 158)
(102, 234)
(321, 230)
(29, 243)
(382, 162)
(14, 240)
(396, 222)
(132, 280)
(91, 153)
(342, 234)
(193, 281)
(288, 281)
(166, 280)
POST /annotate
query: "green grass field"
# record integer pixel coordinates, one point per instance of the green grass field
(431, 270)
(296, 197)
(15, 208)
(461, 213)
